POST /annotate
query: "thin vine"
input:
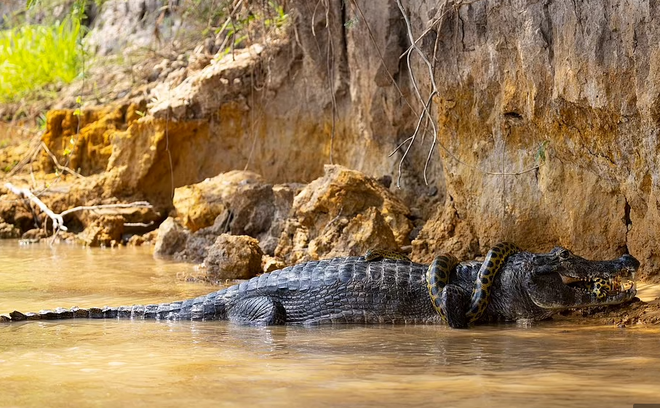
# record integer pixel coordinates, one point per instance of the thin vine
(446, 7)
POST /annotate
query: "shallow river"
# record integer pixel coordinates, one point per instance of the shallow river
(203, 364)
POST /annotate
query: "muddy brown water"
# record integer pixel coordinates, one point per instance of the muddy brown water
(204, 364)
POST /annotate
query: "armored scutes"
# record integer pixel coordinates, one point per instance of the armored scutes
(509, 285)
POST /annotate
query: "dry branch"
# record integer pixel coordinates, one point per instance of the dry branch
(57, 164)
(58, 222)
(136, 204)
(58, 219)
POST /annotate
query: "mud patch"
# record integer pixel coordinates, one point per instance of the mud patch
(633, 313)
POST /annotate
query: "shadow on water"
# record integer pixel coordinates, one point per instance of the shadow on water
(145, 363)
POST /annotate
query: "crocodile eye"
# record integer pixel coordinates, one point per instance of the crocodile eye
(564, 254)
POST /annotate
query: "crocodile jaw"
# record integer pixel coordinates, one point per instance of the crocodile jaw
(558, 291)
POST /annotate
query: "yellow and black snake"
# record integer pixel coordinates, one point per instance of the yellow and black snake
(485, 277)
(437, 276)
(375, 254)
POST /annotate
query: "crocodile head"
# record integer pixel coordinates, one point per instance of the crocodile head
(561, 280)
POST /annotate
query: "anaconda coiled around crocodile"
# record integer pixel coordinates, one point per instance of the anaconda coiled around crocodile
(519, 285)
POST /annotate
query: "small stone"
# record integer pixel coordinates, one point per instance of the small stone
(17, 316)
(172, 238)
(198, 205)
(103, 231)
(270, 264)
(8, 231)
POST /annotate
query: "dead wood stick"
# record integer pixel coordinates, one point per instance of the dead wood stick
(57, 164)
(58, 220)
(143, 204)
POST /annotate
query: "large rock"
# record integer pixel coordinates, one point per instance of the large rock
(196, 245)
(198, 205)
(343, 213)
(237, 202)
(233, 257)
(106, 230)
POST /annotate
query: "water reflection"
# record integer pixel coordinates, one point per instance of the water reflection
(168, 364)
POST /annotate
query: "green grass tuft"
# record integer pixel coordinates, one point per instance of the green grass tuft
(33, 58)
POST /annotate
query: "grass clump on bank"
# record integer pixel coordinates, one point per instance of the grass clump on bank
(33, 58)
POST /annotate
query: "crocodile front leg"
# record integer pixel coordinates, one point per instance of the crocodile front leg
(259, 310)
(449, 300)
(454, 301)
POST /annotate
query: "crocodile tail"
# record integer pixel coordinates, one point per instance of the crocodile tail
(209, 307)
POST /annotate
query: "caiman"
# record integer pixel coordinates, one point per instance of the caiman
(510, 284)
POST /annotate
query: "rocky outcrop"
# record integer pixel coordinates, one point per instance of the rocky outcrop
(198, 205)
(237, 202)
(222, 256)
(343, 213)
(171, 238)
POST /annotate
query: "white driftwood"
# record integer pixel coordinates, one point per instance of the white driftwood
(143, 204)
(58, 221)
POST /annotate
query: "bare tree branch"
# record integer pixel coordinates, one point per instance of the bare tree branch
(57, 164)
(58, 219)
